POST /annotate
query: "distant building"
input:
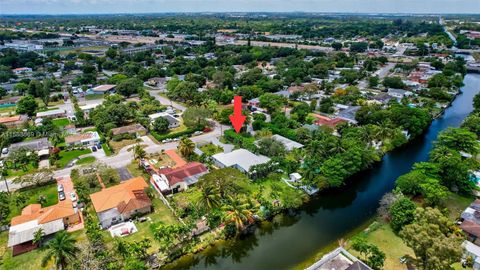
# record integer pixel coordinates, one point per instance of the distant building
(339, 259)
(399, 93)
(32, 145)
(349, 113)
(102, 89)
(13, 121)
(22, 71)
(119, 203)
(172, 121)
(84, 139)
(289, 144)
(326, 121)
(23, 47)
(135, 129)
(58, 113)
(240, 159)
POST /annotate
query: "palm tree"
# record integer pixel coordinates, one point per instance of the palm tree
(139, 152)
(186, 147)
(238, 212)
(62, 249)
(38, 236)
(210, 197)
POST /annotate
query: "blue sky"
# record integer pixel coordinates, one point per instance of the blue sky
(142, 6)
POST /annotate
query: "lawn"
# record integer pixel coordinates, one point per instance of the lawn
(67, 156)
(32, 195)
(30, 168)
(116, 146)
(381, 235)
(86, 160)
(94, 96)
(211, 149)
(8, 109)
(61, 122)
(136, 171)
(456, 204)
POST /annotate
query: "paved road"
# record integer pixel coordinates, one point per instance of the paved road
(165, 101)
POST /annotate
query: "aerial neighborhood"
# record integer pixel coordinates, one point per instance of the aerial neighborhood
(118, 151)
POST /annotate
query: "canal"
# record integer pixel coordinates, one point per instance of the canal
(292, 240)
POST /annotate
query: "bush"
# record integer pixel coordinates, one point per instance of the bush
(187, 132)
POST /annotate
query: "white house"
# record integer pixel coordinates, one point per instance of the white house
(172, 121)
(240, 159)
(84, 139)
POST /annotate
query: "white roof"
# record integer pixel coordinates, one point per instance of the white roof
(161, 182)
(51, 112)
(24, 232)
(157, 115)
(471, 248)
(89, 106)
(241, 158)
(289, 144)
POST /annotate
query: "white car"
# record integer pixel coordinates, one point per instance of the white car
(5, 151)
(73, 197)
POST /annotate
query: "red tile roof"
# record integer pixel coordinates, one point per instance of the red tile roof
(323, 120)
(471, 228)
(179, 174)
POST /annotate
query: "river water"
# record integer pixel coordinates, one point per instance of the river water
(327, 218)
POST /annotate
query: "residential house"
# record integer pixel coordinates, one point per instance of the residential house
(473, 251)
(326, 121)
(339, 259)
(13, 121)
(22, 71)
(471, 221)
(102, 89)
(178, 179)
(289, 144)
(240, 159)
(172, 121)
(136, 129)
(12, 101)
(41, 146)
(57, 113)
(349, 113)
(119, 203)
(157, 82)
(399, 93)
(50, 219)
(87, 109)
(83, 139)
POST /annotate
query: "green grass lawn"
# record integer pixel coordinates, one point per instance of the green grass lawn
(381, 235)
(32, 195)
(7, 109)
(67, 156)
(61, 122)
(211, 149)
(94, 96)
(30, 168)
(456, 204)
(86, 160)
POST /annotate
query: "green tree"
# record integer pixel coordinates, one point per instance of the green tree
(433, 240)
(337, 46)
(402, 212)
(372, 255)
(271, 147)
(272, 102)
(238, 212)
(38, 236)
(160, 125)
(61, 249)
(210, 197)
(129, 87)
(27, 105)
(186, 146)
(139, 152)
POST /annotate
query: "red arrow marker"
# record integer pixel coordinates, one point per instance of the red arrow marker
(237, 118)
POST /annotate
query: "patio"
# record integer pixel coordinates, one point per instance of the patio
(123, 229)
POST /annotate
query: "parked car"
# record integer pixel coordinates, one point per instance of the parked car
(73, 196)
(5, 151)
(60, 188)
(61, 196)
(99, 145)
(94, 149)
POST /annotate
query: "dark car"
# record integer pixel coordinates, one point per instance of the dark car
(99, 145)
(94, 149)
(61, 196)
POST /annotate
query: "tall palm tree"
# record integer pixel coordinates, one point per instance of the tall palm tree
(238, 212)
(186, 146)
(62, 249)
(210, 197)
(139, 152)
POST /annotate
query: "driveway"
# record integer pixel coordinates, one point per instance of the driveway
(124, 174)
(69, 188)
